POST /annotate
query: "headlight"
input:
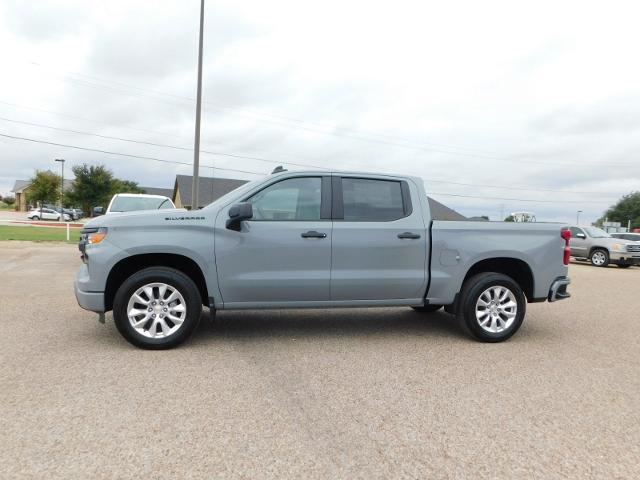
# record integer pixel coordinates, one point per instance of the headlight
(97, 236)
(619, 247)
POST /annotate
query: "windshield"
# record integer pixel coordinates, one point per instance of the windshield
(130, 204)
(594, 232)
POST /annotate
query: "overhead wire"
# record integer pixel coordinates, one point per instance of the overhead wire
(284, 162)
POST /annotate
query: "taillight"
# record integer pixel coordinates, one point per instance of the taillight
(566, 234)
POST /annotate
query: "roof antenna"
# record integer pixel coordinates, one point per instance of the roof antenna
(278, 169)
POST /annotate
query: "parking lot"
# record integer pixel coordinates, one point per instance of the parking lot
(380, 393)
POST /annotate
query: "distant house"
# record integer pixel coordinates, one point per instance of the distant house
(442, 212)
(21, 191)
(165, 192)
(209, 190)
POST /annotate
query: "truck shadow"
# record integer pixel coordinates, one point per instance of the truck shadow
(262, 324)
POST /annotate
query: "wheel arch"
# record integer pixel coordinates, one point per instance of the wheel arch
(514, 268)
(126, 267)
(597, 247)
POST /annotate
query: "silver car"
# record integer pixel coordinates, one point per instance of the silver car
(601, 249)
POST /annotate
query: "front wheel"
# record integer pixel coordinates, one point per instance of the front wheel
(157, 308)
(599, 258)
(492, 307)
(35, 217)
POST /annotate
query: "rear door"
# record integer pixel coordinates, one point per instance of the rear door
(379, 240)
(283, 254)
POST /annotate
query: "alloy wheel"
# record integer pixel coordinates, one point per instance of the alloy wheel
(496, 309)
(156, 310)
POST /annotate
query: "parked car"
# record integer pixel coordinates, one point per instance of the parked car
(68, 211)
(309, 239)
(47, 214)
(79, 213)
(131, 202)
(634, 237)
(601, 249)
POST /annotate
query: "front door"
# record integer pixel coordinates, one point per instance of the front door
(578, 242)
(282, 255)
(379, 240)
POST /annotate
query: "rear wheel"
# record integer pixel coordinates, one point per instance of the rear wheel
(492, 307)
(427, 308)
(599, 258)
(624, 265)
(35, 217)
(157, 308)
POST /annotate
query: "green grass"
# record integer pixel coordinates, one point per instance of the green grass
(39, 234)
(4, 206)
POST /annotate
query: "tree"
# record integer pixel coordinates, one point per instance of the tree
(125, 186)
(509, 219)
(92, 186)
(627, 208)
(44, 188)
(9, 200)
(95, 185)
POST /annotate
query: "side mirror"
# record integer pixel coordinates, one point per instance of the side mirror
(238, 213)
(97, 211)
(581, 235)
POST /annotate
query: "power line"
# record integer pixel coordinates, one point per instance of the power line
(345, 133)
(122, 139)
(85, 119)
(153, 144)
(155, 132)
(108, 152)
(104, 83)
(514, 199)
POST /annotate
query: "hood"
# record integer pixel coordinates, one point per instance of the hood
(621, 241)
(140, 217)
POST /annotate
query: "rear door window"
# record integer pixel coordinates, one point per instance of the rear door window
(372, 200)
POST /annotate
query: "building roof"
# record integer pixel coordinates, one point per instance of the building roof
(442, 212)
(209, 189)
(165, 192)
(20, 185)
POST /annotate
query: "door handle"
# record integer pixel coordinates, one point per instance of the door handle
(313, 234)
(410, 235)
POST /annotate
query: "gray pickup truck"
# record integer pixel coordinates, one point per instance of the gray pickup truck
(321, 240)
(601, 248)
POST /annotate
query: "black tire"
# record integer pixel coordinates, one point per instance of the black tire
(427, 308)
(624, 265)
(176, 279)
(35, 217)
(472, 289)
(595, 253)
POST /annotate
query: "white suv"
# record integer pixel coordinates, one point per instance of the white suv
(46, 214)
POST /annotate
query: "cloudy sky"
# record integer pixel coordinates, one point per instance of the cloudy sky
(498, 106)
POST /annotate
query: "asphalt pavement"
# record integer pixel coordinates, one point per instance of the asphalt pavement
(362, 393)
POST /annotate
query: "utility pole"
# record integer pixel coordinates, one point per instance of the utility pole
(61, 160)
(196, 146)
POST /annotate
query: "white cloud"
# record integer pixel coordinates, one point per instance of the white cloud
(542, 95)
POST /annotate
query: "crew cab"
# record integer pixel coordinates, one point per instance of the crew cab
(316, 240)
(601, 248)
